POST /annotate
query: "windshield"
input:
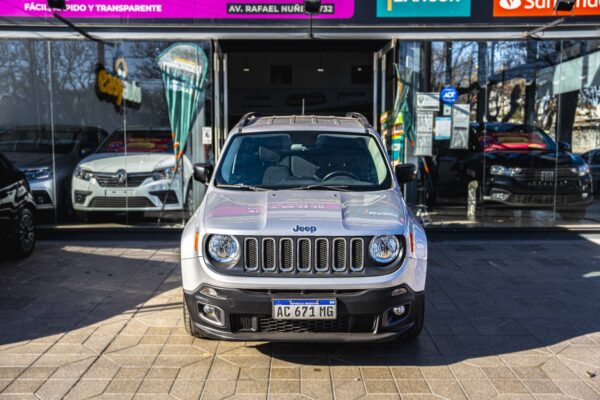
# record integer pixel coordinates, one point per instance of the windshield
(138, 142)
(519, 138)
(37, 140)
(304, 160)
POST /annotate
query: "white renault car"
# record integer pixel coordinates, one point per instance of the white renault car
(133, 170)
(303, 235)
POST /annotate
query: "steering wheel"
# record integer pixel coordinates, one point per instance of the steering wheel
(340, 173)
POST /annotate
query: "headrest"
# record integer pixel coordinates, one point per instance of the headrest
(268, 155)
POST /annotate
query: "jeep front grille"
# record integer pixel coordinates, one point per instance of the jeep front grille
(304, 255)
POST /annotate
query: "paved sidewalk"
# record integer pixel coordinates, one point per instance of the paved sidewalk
(505, 320)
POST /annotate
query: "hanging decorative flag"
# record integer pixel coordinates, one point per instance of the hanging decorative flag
(184, 67)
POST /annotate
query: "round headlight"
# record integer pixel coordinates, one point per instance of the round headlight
(384, 249)
(223, 248)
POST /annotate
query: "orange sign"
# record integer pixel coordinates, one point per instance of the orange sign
(542, 8)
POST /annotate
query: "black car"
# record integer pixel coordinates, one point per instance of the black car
(48, 155)
(17, 209)
(514, 165)
(592, 158)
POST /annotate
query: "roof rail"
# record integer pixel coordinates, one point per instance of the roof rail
(363, 120)
(246, 118)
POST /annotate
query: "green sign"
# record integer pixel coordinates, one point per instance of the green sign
(423, 8)
(184, 68)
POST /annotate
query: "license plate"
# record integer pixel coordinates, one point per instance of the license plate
(293, 309)
(119, 192)
(547, 176)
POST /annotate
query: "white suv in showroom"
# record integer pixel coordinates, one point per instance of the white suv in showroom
(303, 235)
(133, 170)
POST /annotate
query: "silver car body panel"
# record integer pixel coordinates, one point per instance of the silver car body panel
(278, 213)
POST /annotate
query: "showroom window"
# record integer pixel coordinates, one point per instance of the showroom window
(88, 123)
(502, 131)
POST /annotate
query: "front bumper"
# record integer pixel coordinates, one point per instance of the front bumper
(89, 196)
(362, 315)
(43, 193)
(509, 192)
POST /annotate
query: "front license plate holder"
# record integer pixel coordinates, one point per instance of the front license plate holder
(304, 309)
(119, 192)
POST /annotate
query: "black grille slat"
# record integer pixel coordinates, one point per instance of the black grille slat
(304, 255)
(322, 255)
(121, 202)
(286, 255)
(357, 254)
(343, 324)
(269, 255)
(251, 256)
(339, 255)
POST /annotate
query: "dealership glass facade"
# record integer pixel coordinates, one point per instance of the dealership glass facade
(88, 123)
(518, 146)
(517, 142)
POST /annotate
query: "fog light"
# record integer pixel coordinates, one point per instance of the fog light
(501, 196)
(80, 196)
(399, 310)
(399, 292)
(208, 291)
(208, 310)
(212, 314)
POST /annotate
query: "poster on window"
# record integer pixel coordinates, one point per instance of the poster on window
(424, 134)
(443, 128)
(460, 129)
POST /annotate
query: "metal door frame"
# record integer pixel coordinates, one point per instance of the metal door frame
(221, 98)
(379, 80)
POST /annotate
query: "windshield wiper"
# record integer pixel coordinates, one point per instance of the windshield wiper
(338, 188)
(241, 186)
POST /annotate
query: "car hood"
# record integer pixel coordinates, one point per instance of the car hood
(33, 160)
(303, 213)
(132, 163)
(533, 159)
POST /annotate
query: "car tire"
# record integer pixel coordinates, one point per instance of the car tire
(416, 330)
(24, 233)
(188, 323)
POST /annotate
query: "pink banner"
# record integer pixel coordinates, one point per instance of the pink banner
(178, 9)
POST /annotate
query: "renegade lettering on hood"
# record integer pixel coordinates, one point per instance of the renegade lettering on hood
(281, 212)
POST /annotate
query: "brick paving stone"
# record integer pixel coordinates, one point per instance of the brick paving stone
(55, 389)
(413, 386)
(509, 386)
(87, 388)
(218, 389)
(185, 389)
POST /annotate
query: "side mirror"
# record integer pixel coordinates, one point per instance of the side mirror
(406, 173)
(203, 172)
(564, 146)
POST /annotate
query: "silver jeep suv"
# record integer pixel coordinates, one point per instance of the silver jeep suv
(304, 235)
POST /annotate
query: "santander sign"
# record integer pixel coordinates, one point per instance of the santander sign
(542, 8)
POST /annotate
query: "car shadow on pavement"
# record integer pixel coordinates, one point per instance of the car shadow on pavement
(488, 297)
(64, 286)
